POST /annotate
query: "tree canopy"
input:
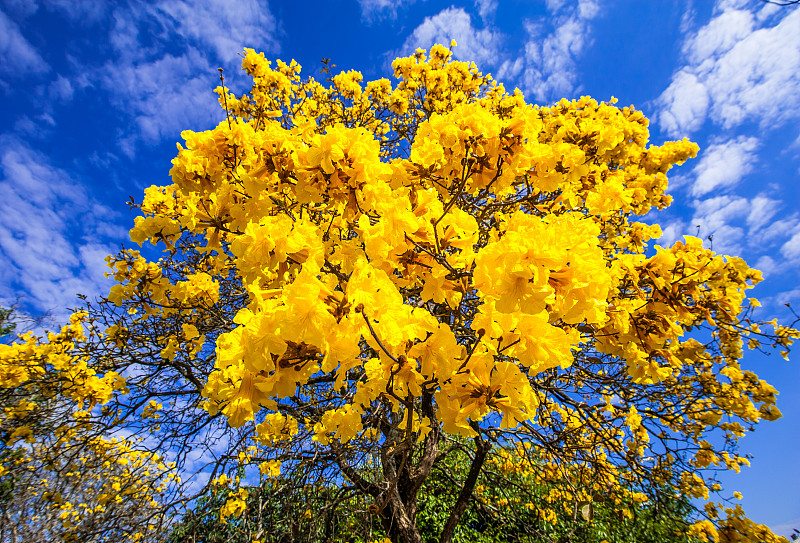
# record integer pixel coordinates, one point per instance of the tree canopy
(348, 274)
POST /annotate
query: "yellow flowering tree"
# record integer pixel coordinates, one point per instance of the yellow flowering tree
(62, 476)
(354, 273)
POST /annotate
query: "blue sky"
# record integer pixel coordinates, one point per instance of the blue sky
(95, 95)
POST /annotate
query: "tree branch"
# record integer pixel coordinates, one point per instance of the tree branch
(482, 448)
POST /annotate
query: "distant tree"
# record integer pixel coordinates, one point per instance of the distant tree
(7, 326)
(62, 477)
(14, 322)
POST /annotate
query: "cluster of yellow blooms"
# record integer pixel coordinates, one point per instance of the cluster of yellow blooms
(455, 242)
(441, 241)
(64, 478)
(34, 361)
(513, 217)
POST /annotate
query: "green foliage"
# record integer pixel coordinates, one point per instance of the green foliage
(299, 507)
(539, 511)
(7, 326)
(510, 504)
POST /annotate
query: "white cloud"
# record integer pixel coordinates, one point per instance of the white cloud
(372, 10)
(723, 165)
(745, 227)
(738, 68)
(164, 93)
(550, 70)
(765, 238)
(688, 17)
(718, 36)
(510, 69)
(787, 297)
(486, 9)
(683, 104)
(79, 10)
(716, 211)
(791, 249)
(17, 56)
(740, 72)
(165, 96)
(161, 67)
(772, 306)
(60, 89)
(672, 232)
(47, 220)
(479, 46)
(762, 210)
(714, 217)
(225, 26)
(767, 11)
(722, 5)
(124, 36)
(766, 264)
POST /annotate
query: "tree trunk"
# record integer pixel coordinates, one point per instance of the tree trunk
(399, 500)
(399, 527)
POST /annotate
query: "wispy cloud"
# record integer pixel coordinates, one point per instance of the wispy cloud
(791, 249)
(156, 72)
(716, 217)
(762, 211)
(548, 69)
(741, 66)
(481, 46)
(224, 26)
(746, 226)
(374, 10)
(739, 70)
(160, 67)
(165, 92)
(756, 227)
(20, 8)
(672, 231)
(60, 89)
(18, 57)
(163, 96)
(486, 9)
(83, 11)
(787, 529)
(53, 234)
(722, 165)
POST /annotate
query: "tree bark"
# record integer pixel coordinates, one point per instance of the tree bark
(398, 502)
